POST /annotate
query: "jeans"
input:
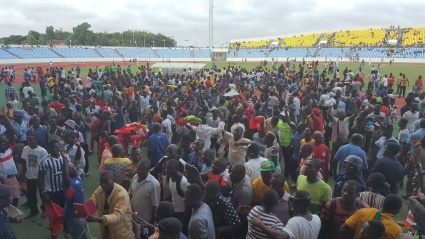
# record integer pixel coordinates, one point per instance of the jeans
(32, 195)
(76, 228)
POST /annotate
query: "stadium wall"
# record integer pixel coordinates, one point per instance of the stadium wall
(280, 59)
(322, 59)
(117, 59)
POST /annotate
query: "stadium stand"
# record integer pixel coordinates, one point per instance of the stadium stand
(30, 52)
(301, 41)
(370, 37)
(107, 52)
(334, 52)
(293, 52)
(411, 52)
(135, 52)
(76, 52)
(327, 36)
(392, 35)
(247, 53)
(174, 53)
(412, 36)
(6, 55)
(255, 44)
(202, 53)
(371, 52)
(231, 53)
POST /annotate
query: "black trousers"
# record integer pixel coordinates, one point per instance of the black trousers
(287, 154)
(86, 157)
(32, 194)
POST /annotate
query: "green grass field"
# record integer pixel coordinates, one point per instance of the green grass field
(37, 228)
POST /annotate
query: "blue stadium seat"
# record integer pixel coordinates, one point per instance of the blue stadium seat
(6, 55)
(173, 53)
(136, 52)
(76, 52)
(257, 53)
(293, 52)
(202, 53)
(334, 52)
(409, 53)
(107, 52)
(32, 52)
(380, 52)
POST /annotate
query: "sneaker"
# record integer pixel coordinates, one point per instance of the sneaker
(43, 214)
(86, 174)
(15, 219)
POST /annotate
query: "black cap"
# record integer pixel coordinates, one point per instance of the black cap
(169, 226)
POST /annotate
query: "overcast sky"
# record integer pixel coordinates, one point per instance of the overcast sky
(188, 19)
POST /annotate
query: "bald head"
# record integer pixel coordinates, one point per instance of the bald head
(113, 139)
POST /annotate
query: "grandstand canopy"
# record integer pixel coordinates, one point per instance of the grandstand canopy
(177, 68)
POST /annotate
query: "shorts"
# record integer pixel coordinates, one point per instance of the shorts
(14, 187)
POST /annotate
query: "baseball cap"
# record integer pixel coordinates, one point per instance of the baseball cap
(267, 166)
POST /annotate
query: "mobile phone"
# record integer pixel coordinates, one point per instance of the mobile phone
(136, 219)
(423, 182)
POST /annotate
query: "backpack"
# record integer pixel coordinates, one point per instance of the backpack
(332, 207)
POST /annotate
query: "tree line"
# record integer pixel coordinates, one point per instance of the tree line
(82, 35)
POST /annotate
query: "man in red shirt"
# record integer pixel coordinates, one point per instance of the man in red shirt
(419, 83)
(317, 120)
(390, 81)
(321, 153)
(56, 105)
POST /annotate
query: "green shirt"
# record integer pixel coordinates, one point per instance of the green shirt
(285, 133)
(320, 192)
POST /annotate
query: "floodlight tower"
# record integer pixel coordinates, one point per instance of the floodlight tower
(211, 28)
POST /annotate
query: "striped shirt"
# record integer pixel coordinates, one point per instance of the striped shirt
(7, 165)
(372, 199)
(269, 219)
(53, 173)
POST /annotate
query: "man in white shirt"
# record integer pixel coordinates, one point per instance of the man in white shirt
(144, 100)
(177, 184)
(204, 132)
(144, 192)
(303, 225)
(27, 88)
(385, 81)
(32, 154)
(254, 163)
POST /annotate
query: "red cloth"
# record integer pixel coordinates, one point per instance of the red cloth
(57, 106)
(54, 214)
(317, 120)
(220, 180)
(257, 123)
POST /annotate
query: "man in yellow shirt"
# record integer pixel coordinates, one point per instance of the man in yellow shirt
(262, 184)
(392, 205)
(118, 164)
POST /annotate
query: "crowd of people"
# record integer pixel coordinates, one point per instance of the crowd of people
(231, 152)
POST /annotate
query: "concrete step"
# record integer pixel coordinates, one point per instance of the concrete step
(97, 53)
(54, 52)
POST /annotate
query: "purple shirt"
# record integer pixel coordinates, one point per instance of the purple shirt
(282, 209)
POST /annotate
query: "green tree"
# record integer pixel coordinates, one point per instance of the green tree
(31, 39)
(114, 42)
(81, 35)
(50, 33)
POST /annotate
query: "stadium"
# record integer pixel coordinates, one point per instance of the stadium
(395, 49)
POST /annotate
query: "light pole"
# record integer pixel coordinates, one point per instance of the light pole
(135, 42)
(153, 44)
(70, 44)
(163, 40)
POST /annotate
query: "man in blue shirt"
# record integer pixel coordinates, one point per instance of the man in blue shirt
(353, 148)
(74, 193)
(390, 167)
(157, 144)
(6, 231)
